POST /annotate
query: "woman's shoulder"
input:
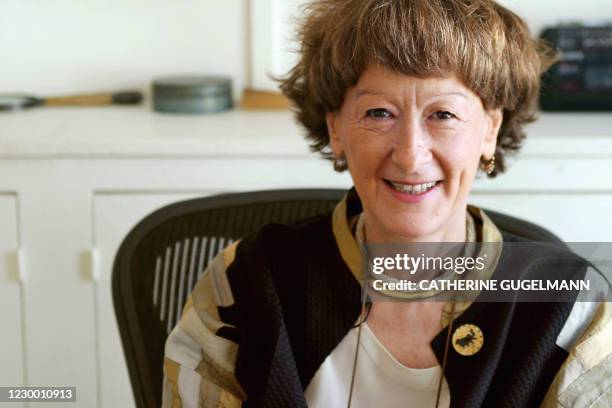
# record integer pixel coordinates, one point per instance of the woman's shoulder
(584, 378)
(276, 241)
(274, 246)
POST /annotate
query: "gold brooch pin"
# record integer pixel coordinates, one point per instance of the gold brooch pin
(467, 339)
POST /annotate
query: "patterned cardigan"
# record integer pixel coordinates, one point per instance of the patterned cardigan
(269, 309)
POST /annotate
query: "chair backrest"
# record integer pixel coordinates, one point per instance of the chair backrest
(161, 258)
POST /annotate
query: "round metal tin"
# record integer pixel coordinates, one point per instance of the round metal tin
(192, 94)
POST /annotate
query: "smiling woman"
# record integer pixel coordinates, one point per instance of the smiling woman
(413, 97)
(416, 141)
(483, 45)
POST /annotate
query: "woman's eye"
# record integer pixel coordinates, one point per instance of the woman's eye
(378, 113)
(442, 115)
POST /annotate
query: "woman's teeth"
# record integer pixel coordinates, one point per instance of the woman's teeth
(413, 188)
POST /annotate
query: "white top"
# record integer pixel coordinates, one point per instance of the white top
(380, 379)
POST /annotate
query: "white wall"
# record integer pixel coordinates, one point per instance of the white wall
(540, 13)
(62, 46)
(273, 24)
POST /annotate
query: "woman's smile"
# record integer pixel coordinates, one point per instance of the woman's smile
(412, 192)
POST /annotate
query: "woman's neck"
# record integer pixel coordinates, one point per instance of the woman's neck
(454, 230)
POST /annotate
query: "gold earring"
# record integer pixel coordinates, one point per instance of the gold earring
(340, 163)
(489, 165)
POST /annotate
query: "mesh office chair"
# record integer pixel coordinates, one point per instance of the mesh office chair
(160, 260)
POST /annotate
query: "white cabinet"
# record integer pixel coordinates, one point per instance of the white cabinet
(114, 216)
(570, 196)
(11, 312)
(73, 182)
(57, 291)
(563, 213)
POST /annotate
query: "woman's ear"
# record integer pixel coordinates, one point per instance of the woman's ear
(334, 138)
(490, 141)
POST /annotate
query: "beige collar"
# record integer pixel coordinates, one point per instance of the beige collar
(480, 228)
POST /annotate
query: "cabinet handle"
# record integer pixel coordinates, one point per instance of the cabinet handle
(94, 264)
(21, 265)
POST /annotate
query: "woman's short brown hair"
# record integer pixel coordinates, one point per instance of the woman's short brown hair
(485, 45)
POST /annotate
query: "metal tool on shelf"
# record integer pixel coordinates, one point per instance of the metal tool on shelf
(12, 102)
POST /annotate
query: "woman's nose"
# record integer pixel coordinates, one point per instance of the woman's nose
(412, 147)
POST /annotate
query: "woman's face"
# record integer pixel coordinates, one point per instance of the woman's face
(413, 147)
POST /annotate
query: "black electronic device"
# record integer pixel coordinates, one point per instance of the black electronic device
(582, 78)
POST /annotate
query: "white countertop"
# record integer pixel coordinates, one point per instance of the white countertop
(139, 132)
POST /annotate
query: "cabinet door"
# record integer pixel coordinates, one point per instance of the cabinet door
(114, 217)
(11, 339)
(580, 217)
